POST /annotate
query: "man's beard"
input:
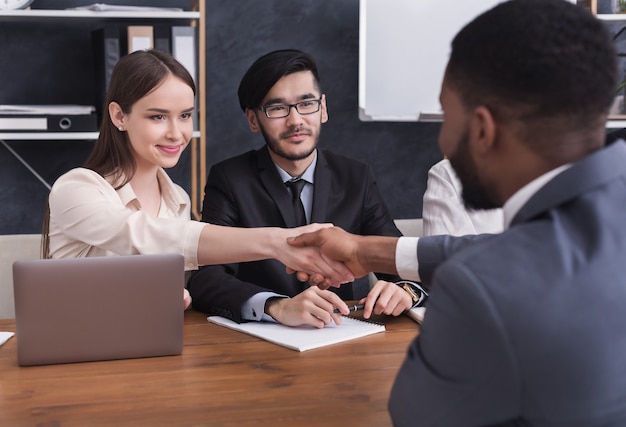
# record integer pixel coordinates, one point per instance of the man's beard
(475, 195)
(274, 145)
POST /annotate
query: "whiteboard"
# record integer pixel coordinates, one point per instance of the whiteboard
(403, 50)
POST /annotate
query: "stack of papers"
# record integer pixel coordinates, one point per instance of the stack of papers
(103, 7)
(47, 109)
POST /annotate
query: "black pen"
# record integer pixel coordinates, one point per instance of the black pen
(352, 308)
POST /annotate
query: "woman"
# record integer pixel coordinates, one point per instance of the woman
(122, 202)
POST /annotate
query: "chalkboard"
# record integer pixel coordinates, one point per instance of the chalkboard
(403, 50)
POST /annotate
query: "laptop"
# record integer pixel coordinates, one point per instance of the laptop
(98, 308)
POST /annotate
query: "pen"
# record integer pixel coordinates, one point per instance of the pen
(354, 307)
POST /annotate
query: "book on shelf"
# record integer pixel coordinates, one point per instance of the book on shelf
(184, 47)
(49, 123)
(162, 35)
(185, 51)
(106, 50)
(48, 118)
(302, 338)
(140, 37)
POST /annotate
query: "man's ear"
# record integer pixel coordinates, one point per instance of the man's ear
(253, 120)
(482, 130)
(324, 109)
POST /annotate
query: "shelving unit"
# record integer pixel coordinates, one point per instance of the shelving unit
(41, 14)
(611, 16)
(194, 18)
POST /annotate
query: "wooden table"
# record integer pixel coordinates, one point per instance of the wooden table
(223, 378)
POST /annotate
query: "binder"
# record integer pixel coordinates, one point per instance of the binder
(140, 37)
(184, 50)
(184, 47)
(162, 38)
(106, 48)
(48, 122)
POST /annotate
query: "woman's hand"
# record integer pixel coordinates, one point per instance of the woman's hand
(186, 299)
(309, 261)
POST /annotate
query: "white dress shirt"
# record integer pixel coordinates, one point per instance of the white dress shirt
(444, 211)
(407, 263)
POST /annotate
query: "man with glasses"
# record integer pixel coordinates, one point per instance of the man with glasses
(288, 182)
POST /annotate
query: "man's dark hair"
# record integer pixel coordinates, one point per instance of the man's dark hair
(268, 69)
(534, 61)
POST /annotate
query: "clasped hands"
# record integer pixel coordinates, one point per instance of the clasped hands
(338, 256)
(326, 256)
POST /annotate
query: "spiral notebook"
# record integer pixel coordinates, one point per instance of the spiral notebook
(304, 338)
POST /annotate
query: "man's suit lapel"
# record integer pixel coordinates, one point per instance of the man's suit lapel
(321, 189)
(275, 187)
(600, 167)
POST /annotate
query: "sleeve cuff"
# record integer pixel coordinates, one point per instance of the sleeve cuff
(407, 263)
(191, 243)
(254, 308)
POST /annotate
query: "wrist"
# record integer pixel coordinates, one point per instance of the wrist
(377, 253)
(276, 242)
(415, 290)
(272, 307)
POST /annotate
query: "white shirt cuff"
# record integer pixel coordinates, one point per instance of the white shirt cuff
(407, 263)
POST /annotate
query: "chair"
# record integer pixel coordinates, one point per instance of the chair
(412, 227)
(12, 248)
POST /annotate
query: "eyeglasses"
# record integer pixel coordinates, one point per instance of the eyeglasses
(278, 111)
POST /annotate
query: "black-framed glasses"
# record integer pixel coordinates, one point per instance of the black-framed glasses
(278, 111)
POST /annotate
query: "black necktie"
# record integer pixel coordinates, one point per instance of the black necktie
(296, 186)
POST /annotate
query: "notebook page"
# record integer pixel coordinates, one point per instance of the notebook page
(303, 338)
(4, 336)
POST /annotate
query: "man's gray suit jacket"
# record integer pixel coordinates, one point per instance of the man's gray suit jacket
(247, 191)
(528, 327)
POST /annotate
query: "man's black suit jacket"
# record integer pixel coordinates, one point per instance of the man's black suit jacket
(247, 191)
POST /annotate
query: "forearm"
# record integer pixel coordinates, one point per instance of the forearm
(224, 245)
(378, 253)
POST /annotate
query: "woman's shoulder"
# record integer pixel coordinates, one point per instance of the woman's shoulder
(81, 176)
(80, 173)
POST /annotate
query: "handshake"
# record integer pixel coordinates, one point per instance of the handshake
(326, 256)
